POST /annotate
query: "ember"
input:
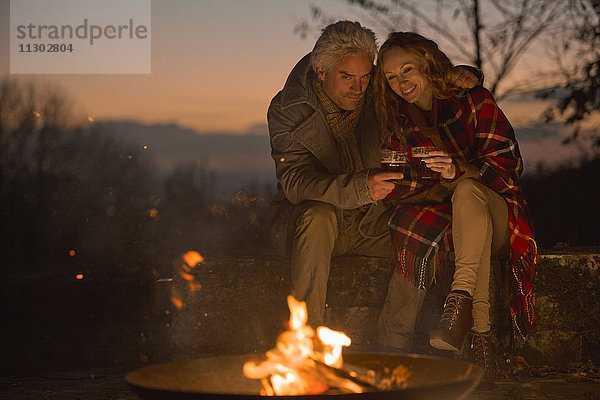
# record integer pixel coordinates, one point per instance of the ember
(307, 363)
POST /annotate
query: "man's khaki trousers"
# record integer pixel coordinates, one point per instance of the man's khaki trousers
(317, 235)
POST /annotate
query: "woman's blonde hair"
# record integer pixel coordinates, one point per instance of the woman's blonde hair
(433, 65)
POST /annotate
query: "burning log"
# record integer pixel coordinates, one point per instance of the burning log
(307, 363)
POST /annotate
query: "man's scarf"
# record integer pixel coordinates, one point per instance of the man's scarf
(473, 129)
(342, 124)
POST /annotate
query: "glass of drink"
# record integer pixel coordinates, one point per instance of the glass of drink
(418, 155)
(393, 160)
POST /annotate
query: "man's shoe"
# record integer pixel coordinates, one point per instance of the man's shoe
(455, 323)
(483, 355)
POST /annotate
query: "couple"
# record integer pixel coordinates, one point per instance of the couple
(327, 127)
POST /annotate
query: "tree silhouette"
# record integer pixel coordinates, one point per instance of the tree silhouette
(490, 34)
(70, 194)
(578, 99)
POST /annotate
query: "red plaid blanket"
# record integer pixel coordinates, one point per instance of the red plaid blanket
(473, 130)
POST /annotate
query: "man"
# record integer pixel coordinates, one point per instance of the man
(325, 143)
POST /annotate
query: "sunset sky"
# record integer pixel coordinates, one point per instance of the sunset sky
(216, 64)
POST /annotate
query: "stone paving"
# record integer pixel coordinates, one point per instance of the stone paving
(111, 385)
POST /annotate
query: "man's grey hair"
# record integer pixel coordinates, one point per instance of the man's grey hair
(340, 39)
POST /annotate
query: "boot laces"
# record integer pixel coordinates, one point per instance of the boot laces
(450, 310)
(480, 348)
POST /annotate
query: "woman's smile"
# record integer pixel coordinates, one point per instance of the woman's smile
(401, 70)
(409, 91)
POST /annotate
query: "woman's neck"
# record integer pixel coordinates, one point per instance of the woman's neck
(425, 102)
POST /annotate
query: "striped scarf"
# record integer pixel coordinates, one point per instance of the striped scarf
(342, 124)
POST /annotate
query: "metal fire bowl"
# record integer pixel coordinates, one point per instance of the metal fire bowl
(222, 378)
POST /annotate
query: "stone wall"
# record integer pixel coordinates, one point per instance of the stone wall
(567, 296)
(241, 306)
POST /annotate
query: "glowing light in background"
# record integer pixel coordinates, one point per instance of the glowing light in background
(190, 260)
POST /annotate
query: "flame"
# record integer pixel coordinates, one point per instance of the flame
(187, 276)
(72, 253)
(177, 302)
(79, 276)
(91, 119)
(301, 361)
(333, 342)
(192, 258)
(298, 313)
(176, 299)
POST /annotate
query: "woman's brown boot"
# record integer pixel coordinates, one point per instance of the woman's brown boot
(482, 354)
(455, 323)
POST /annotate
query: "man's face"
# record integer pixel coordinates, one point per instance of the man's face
(346, 82)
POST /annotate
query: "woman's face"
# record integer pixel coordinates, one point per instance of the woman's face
(401, 70)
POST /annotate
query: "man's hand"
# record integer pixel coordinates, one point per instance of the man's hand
(463, 78)
(380, 184)
(441, 162)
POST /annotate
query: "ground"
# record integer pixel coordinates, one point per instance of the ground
(111, 385)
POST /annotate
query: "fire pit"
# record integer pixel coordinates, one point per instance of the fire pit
(222, 378)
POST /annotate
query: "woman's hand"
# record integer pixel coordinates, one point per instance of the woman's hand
(440, 161)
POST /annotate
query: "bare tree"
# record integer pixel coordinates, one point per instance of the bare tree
(64, 186)
(578, 99)
(493, 35)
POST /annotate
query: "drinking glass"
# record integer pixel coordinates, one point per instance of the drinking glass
(393, 160)
(418, 155)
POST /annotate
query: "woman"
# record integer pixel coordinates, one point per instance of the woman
(473, 204)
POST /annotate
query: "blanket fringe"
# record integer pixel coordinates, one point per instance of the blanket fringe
(425, 272)
(420, 271)
(522, 307)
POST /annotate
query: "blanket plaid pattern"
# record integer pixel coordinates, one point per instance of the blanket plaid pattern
(421, 240)
(474, 130)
